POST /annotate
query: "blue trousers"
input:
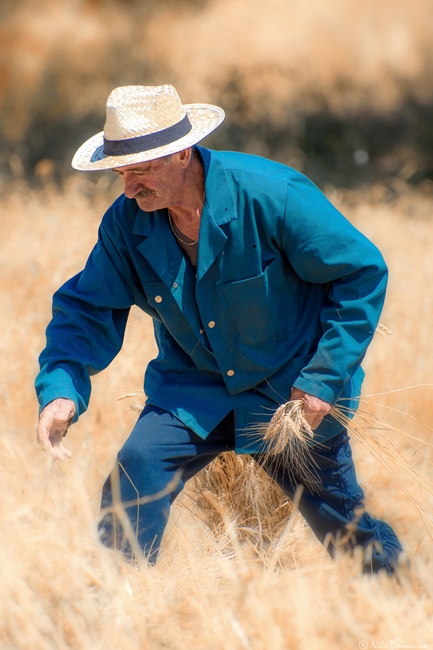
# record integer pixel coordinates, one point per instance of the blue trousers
(160, 445)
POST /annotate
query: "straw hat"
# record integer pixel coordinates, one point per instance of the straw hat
(144, 123)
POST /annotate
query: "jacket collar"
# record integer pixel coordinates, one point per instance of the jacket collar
(218, 195)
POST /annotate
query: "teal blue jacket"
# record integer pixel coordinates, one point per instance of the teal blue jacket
(286, 293)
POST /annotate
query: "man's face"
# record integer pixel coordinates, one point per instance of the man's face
(154, 184)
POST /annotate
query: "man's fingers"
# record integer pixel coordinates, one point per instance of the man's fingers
(315, 409)
(59, 452)
(65, 451)
(56, 448)
(44, 427)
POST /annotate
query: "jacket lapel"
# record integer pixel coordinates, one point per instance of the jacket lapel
(167, 260)
(219, 209)
(158, 245)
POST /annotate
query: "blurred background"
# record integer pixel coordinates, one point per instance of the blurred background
(342, 89)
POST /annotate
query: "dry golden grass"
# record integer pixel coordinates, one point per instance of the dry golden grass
(214, 586)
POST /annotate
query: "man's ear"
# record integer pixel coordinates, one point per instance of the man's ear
(185, 157)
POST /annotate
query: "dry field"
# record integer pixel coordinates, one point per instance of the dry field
(60, 589)
(215, 585)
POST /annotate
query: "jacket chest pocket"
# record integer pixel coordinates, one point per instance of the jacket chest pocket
(263, 305)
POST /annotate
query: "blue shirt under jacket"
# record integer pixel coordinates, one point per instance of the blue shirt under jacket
(286, 292)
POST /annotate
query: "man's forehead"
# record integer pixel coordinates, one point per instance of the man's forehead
(137, 166)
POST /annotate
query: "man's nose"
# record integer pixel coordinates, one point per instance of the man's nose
(131, 185)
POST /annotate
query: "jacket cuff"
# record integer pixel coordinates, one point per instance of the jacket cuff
(58, 384)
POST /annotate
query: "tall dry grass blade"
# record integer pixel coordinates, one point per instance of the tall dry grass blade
(119, 507)
(136, 403)
(415, 485)
(230, 527)
(118, 511)
(50, 465)
(295, 512)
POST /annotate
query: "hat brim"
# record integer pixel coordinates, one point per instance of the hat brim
(204, 119)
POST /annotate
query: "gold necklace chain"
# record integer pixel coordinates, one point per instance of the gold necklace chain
(186, 243)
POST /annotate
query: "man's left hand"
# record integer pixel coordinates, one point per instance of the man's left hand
(315, 409)
(53, 424)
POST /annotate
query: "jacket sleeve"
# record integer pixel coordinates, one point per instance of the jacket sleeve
(87, 328)
(323, 247)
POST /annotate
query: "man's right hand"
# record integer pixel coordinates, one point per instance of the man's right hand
(53, 424)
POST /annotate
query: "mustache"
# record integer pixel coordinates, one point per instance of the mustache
(143, 193)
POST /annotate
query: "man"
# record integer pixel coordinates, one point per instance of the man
(260, 292)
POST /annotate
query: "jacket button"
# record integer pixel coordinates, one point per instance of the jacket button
(158, 299)
(230, 373)
(202, 331)
(211, 323)
(174, 285)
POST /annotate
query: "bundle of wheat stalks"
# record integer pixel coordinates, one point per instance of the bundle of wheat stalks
(235, 496)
